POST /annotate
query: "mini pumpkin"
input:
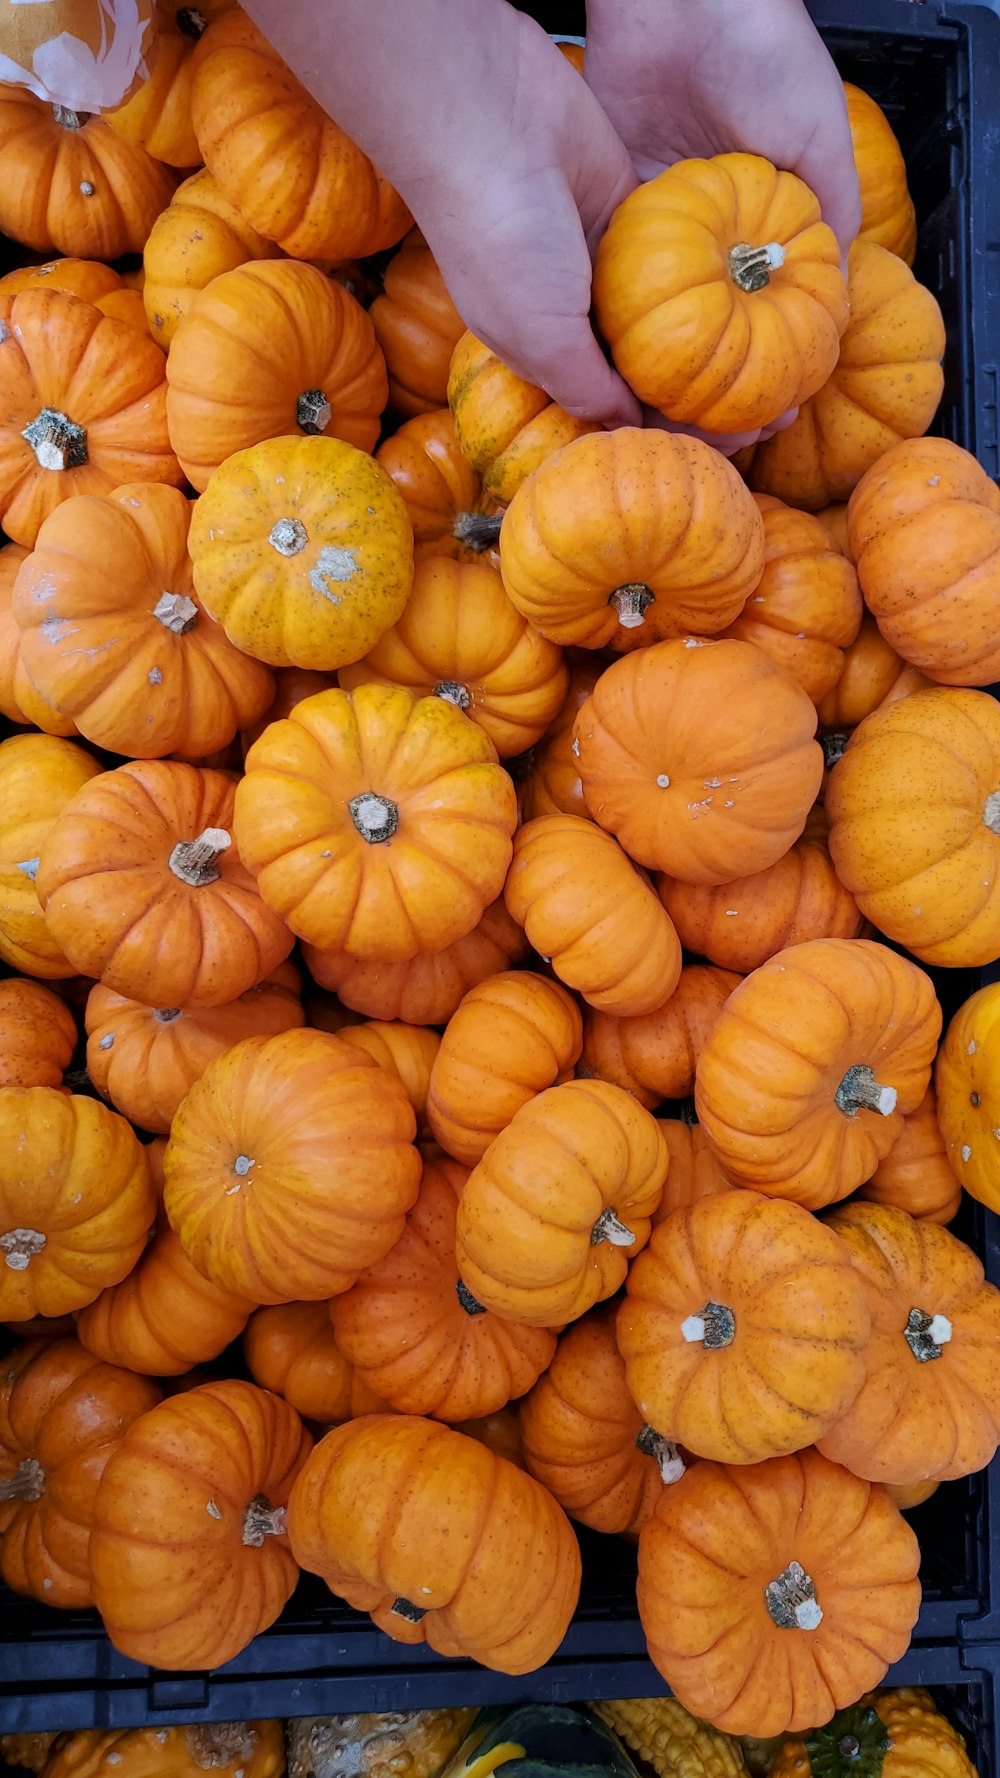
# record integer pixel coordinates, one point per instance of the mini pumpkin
(506, 427)
(833, 519)
(968, 1095)
(812, 1065)
(893, 1732)
(886, 386)
(512, 1036)
(142, 885)
(39, 775)
(552, 785)
(291, 685)
(145, 1058)
(132, 658)
(19, 700)
(629, 537)
(654, 1054)
(157, 115)
(417, 326)
(255, 1748)
(286, 166)
(196, 238)
(188, 1554)
(291, 1167)
(84, 407)
(37, 1035)
(694, 1171)
(873, 675)
(823, 1600)
(744, 1328)
(78, 187)
(76, 1201)
(302, 551)
(456, 1548)
(742, 923)
(928, 885)
(720, 293)
(917, 1174)
(584, 1438)
(560, 1203)
(406, 1052)
(62, 1413)
(291, 1349)
(89, 279)
(441, 491)
(700, 758)
(586, 908)
(887, 214)
(427, 989)
(376, 822)
(415, 1333)
(269, 350)
(459, 638)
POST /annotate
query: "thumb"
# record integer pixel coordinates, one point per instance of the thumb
(828, 168)
(562, 356)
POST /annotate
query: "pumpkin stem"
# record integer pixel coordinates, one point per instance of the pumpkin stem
(750, 267)
(19, 1247)
(860, 1091)
(165, 1015)
(67, 119)
(631, 602)
(190, 22)
(669, 1461)
(714, 1327)
(468, 1301)
(405, 1609)
(288, 536)
(477, 530)
(27, 1482)
(261, 1520)
(833, 747)
(176, 612)
(313, 412)
(196, 861)
(57, 441)
(453, 693)
(791, 1600)
(375, 817)
(991, 811)
(215, 1744)
(926, 1335)
(608, 1228)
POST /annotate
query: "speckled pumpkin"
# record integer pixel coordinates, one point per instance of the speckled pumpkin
(917, 1174)
(39, 775)
(37, 1035)
(967, 1086)
(653, 1055)
(442, 492)
(742, 923)
(506, 427)
(417, 326)
(427, 989)
(196, 238)
(257, 1749)
(291, 1349)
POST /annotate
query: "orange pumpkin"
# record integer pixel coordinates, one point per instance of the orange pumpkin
(873, 675)
(145, 1058)
(909, 1495)
(39, 775)
(84, 407)
(291, 1349)
(72, 184)
(929, 885)
(255, 1748)
(460, 638)
(427, 989)
(742, 923)
(917, 1175)
(500, 1433)
(37, 1035)
(552, 785)
(441, 491)
(76, 1201)
(88, 279)
(511, 1037)
(143, 888)
(585, 1440)
(415, 1333)
(887, 214)
(157, 115)
(132, 658)
(506, 427)
(62, 1414)
(720, 293)
(812, 1065)
(886, 386)
(18, 698)
(417, 326)
(694, 1171)
(291, 685)
(924, 526)
(744, 1328)
(196, 238)
(188, 1554)
(628, 537)
(265, 351)
(833, 519)
(323, 1138)
(821, 1602)
(406, 1052)
(543, 1257)
(700, 758)
(286, 166)
(654, 1055)
(456, 1547)
(376, 822)
(806, 609)
(915, 1419)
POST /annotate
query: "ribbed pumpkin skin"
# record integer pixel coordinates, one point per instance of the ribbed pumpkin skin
(654, 1055)
(506, 427)
(255, 1748)
(291, 1349)
(197, 237)
(552, 786)
(82, 191)
(917, 1175)
(39, 774)
(62, 1414)
(417, 326)
(694, 1170)
(405, 1326)
(439, 486)
(740, 924)
(906, 1723)
(88, 279)
(37, 1035)
(487, 1552)
(887, 214)
(859, 1554)
(511, 1037)
(178, 1584)
(873, 675)
(406, 1052)
(19, 701)
(427, 989)
(968, 1095)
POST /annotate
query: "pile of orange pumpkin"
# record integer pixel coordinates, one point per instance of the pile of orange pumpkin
(511, 727)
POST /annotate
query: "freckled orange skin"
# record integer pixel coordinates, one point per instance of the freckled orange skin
(873, 675)
(740, 924)
(291, 1349)
(198, 236)
(427, 989)
(46, 202)
(37, 1035)
(157, 115)
(653, 1055)
(506, 427)
(39, 775)
(407, 1052)
(694, 1168)
(417, 326)
(968, 1095)
(887, 214)
(917, 1174)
